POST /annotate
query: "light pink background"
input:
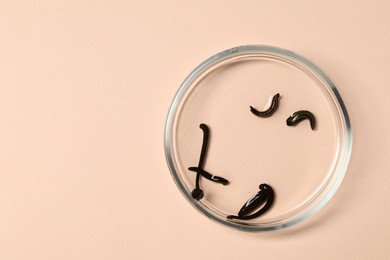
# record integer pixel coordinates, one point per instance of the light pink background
(85, 87)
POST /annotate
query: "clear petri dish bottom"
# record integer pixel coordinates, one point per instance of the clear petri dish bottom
(303, 166)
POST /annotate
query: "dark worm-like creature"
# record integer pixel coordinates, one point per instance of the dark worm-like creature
(267, 113)
(198, 193)
(265, 195)
(299, 116)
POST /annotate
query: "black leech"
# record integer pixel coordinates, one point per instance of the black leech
(253, 203)
(197, 193)
(299, 116)
(266, 194)
(270, 110)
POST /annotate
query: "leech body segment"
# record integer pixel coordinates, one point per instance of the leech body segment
(265, 195)
(299, 116)
(197, 193)
(270, 110)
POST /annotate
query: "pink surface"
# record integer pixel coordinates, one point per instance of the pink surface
(84, 92)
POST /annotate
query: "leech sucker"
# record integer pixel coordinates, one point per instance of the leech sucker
(267, 113)
(299, 116)
(209, 176)
(266, 194)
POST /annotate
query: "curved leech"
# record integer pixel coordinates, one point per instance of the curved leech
(209, 176)
(265, 193)
(267, 113)
(259, 198)
(299, 116)
(197, 193)
(263, 210)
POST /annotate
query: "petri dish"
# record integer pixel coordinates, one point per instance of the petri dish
(304, 167)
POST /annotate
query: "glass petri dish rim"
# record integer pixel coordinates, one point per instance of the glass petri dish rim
(346, 138)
